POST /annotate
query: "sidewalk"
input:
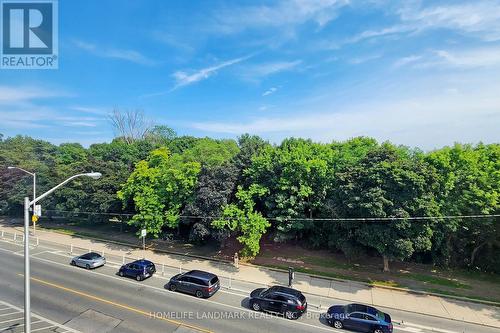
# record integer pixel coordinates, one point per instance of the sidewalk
(324, 290)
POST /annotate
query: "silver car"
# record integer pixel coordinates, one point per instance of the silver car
(89, 260)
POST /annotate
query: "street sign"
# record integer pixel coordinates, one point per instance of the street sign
(38, 210)
(143, 233)
(34, 218)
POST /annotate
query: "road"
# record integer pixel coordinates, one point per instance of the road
(100, 301)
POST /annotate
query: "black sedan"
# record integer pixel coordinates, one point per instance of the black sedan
(359, 318)
(282, 300)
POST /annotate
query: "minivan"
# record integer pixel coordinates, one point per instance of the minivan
(198, 283)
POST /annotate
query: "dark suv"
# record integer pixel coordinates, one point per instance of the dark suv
(286, 301)
(139, 269)
(199, 283)
(359, 318)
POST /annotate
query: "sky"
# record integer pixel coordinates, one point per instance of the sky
(418, 73)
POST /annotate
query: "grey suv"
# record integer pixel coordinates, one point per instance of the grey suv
(199, 283)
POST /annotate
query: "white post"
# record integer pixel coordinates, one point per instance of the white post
(15, 237)
(90, 250)
(27, 298)
(71, 249)
(102, 253)
(2, 233)
(123, 259)
(180, 268)
(162, 269)
(37, 241)
(34, 203)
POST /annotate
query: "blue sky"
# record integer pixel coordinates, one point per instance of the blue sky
(419, 73)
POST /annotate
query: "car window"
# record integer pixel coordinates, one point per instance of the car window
(369, 317)
(94, 256)
(214, 280)
(197, 281)
(84, 257)
(356, 316)
(283, 299)
(271, 296)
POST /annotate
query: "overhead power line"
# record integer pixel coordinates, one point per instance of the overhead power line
(284, 219)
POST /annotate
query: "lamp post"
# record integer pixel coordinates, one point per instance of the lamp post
(27, 277)
(34, 188)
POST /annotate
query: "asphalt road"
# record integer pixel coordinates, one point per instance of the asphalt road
(100, 301)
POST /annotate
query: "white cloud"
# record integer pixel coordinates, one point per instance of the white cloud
(9, 94)
(182, 78)
(468, 58)
(270, 91)
(479, 18)
(407, 60)
(109, 52)
(258, 71)
(285, 13)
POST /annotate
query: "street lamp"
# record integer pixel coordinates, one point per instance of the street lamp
(27, 203)
(34, 188)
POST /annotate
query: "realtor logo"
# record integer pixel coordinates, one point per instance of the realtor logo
(29, 38)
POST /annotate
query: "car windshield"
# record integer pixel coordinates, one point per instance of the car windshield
(214, 280)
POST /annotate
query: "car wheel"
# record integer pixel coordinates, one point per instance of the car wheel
(378, 330)
(138, 278)
(338, 324)
(120, 273)
(256, 306)
(73, 263)
(289, 315)
(172, 287)
(87, 266)
(198, 294)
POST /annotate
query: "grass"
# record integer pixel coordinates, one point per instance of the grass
(450, 283)
(384, 283)
(451, 293)
(319, 273)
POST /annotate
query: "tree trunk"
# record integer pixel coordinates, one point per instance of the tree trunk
(386, 263)
(474, 253)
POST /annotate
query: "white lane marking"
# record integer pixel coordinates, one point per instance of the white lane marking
(44, 328)
(178, 294)
(8, 314)
(40, 318)
(429, 328)
(7, 321)
(408, 329)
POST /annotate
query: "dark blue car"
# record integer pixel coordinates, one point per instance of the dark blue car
(359, 318)
(139, 269)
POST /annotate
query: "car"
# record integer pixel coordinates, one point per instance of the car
(282, 300)
(199, 283)
(359, 318)
(139, 269)
(89, 260)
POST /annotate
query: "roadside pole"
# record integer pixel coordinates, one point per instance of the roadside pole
(27, 303)
(143, 235)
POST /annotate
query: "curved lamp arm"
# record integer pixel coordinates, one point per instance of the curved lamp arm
(93, 175)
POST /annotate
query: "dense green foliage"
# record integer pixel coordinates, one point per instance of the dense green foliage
(206, 190)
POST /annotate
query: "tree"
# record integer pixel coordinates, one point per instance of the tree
(158, 189)
(130, 125)
(242, 219)
(389, 182)
(469, 178)
(214, 190)
(297, 175)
